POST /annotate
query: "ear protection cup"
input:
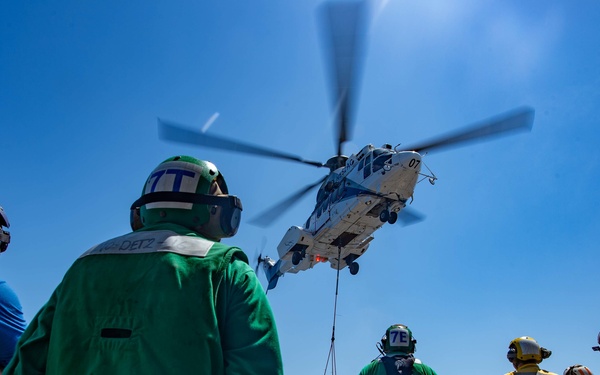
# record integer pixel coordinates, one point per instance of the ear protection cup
(4, 235)
(545, 353)
(511, 355)
(230, 220)
(4, 241)
(134, 219)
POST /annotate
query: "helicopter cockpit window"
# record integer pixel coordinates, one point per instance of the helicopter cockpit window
(361, 164)
(367, 172)
(380, 162)
(379, 151)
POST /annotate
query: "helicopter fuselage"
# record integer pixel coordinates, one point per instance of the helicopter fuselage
(352, 203)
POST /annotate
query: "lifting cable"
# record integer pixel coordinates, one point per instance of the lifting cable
(332, 347)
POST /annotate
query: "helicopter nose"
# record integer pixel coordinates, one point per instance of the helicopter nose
(410, 160)
(403, 174)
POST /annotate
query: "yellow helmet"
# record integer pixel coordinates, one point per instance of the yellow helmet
(526, 349)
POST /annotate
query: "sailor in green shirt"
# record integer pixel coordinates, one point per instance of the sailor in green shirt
(398, 346)
(168, 298)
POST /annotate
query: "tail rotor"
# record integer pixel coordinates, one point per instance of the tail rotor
(258, 254)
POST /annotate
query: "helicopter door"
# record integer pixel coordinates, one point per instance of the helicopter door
(367, 171)
(323, 214)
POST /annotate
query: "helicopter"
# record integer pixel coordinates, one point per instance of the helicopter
(362, 192)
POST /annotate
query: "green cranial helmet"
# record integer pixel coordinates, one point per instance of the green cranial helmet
(398, 338)
(180, 174)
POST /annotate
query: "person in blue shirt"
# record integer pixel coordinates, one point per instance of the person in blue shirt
(12, 323)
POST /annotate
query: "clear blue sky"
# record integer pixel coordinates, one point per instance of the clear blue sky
(510, 243)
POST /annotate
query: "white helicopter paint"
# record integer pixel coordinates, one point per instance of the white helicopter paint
(352, 203)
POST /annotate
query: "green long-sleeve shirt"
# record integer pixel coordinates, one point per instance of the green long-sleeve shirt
(377, 367)
(154, 302)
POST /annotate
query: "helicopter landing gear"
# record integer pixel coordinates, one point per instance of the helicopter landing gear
(387, 216)
(393, 217)
(297, 257)
(352, 265)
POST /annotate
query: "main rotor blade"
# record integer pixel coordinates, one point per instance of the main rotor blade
(270, 215)
(343, 24)
(178, 133)
(520, 119)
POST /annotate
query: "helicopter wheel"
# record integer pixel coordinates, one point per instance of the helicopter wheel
(296, 258)
(393, 217)
(353, 268)
(384, 216)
